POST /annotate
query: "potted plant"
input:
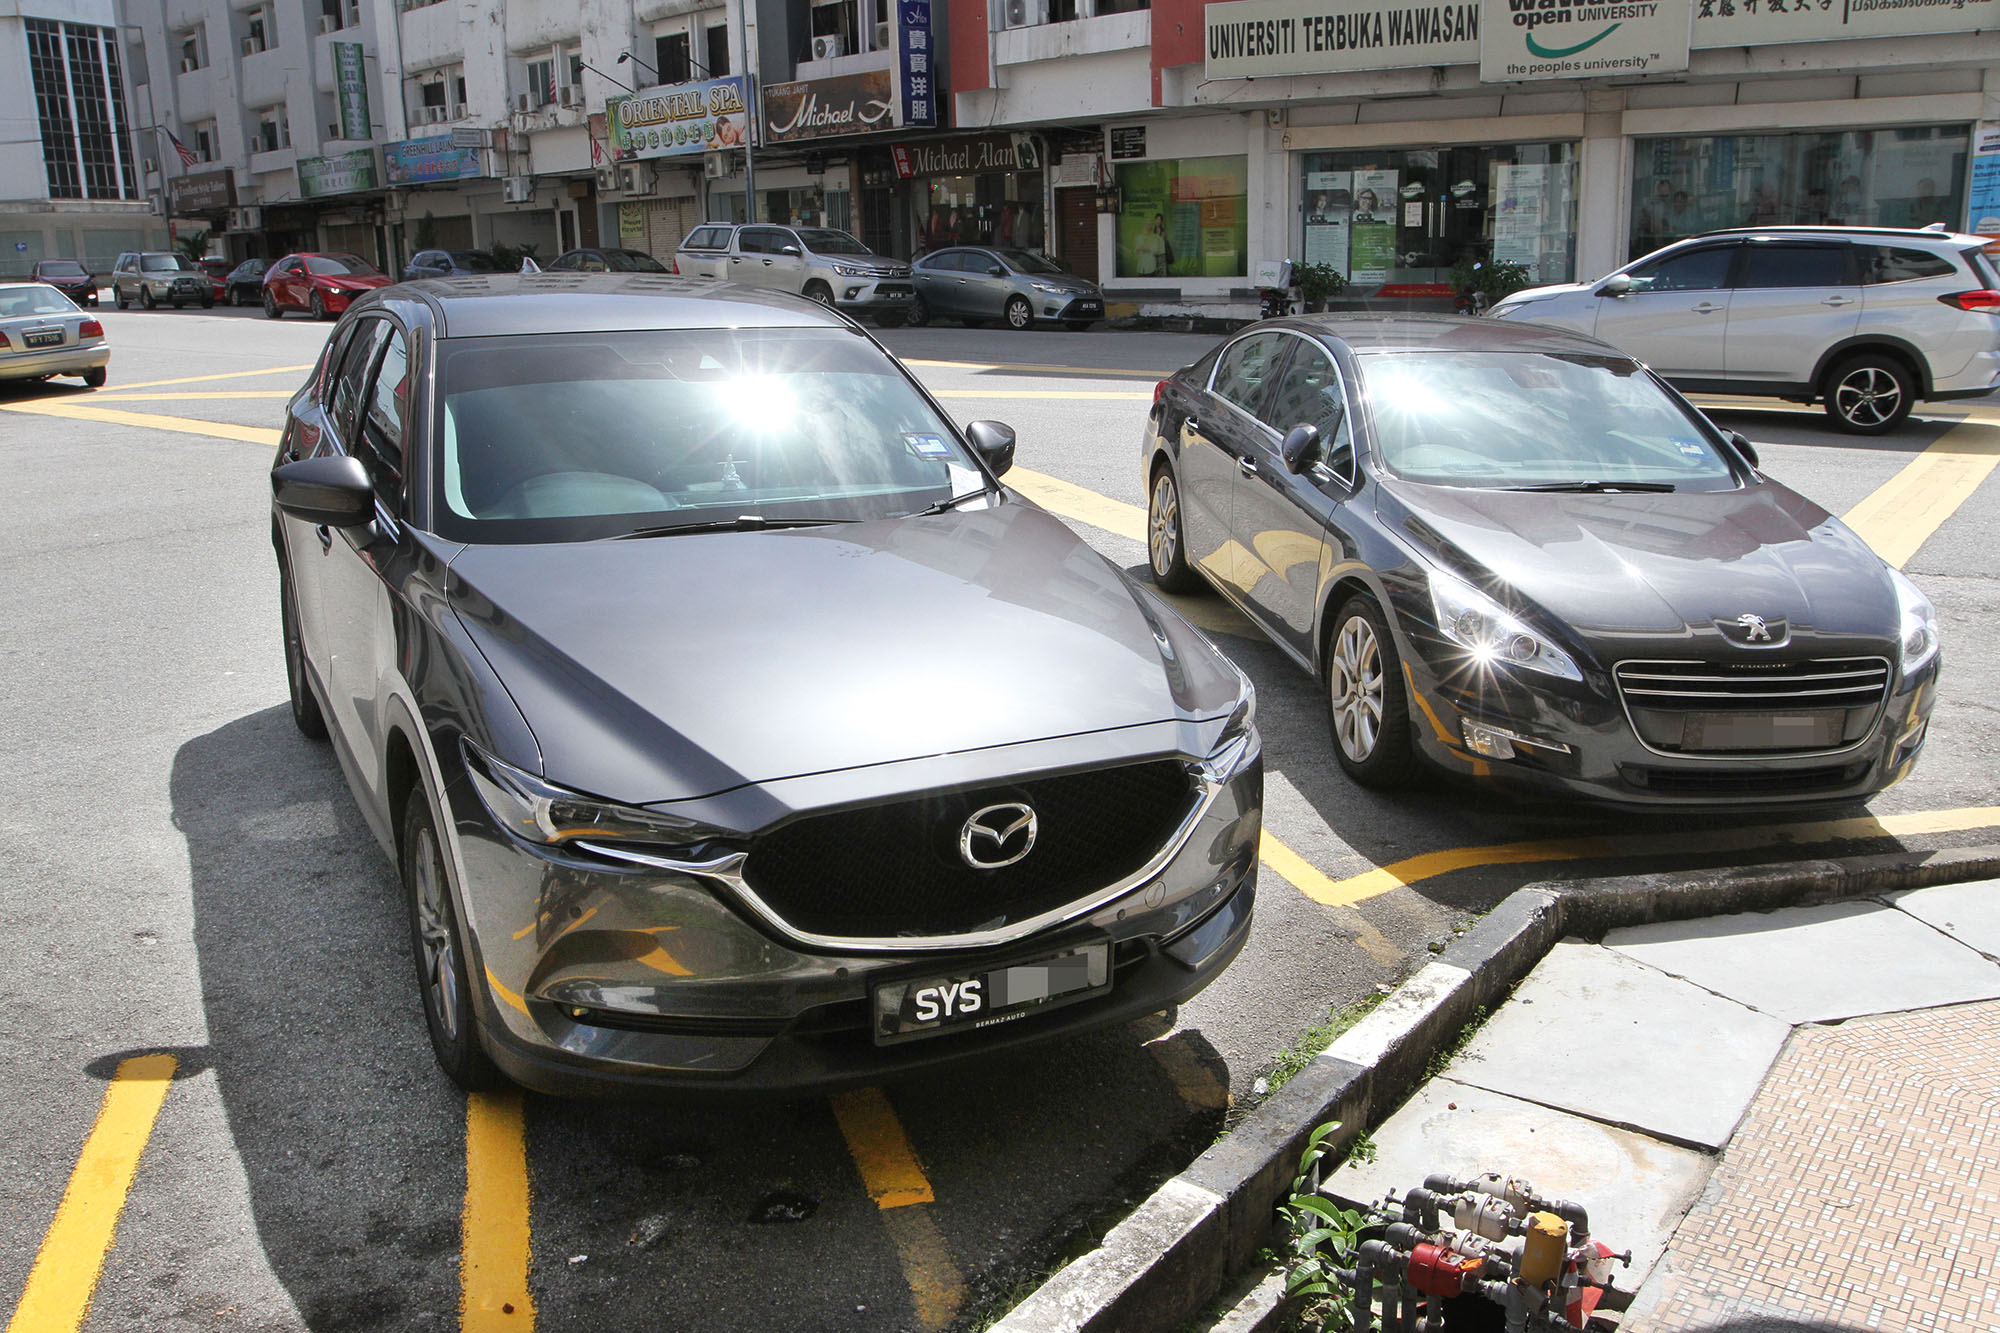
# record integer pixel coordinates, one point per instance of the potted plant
(1317, 282)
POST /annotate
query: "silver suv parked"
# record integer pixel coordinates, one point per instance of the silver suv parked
(152, 276)
(823, 263)
(1865, 320)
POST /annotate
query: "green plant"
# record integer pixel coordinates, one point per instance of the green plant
(194, 245)
(1494, 278)
(1316, 282)
(1444, 1055)
(1317, 1038)
(1321, 1239)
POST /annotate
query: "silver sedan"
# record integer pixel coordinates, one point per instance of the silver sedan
(43, 333)
(1020, 287)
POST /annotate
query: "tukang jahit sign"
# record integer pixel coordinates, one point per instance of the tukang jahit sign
(827, 108)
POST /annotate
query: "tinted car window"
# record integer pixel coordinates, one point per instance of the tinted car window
(572, 436)
(1030, 261)
(382, 425)
(1794, 266)
(1504, 420)
(1687, 271)
(1239, 376)
(353, 373)
(707, 238)
(946, 261)
(1309, 395)
(334, 266)
(472, 261)
(760, 241)
(1899, 263)
(828, 241)
(632, 261)
(165, 263)
(60, 268)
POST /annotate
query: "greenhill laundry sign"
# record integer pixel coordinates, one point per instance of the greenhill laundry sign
(1570, 39)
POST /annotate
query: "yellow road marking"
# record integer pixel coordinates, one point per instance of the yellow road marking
(121, 396)
(226, 375)
(1103, 395)
(64, 1278)
(935, 1285)
(1906, 510)
(889, 1167)
(1194, 1081)
(150, 421)
(494, 1238)
(1073, 501)
(1092, 371)
(1382, 879)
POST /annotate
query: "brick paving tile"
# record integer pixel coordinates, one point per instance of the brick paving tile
(1860, 1189)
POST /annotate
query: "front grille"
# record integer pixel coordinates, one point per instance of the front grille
(893, 870)
(1835, 699)
(893, 289)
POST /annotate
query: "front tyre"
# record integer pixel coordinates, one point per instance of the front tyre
(919, 315)
(1166, 544)
(1366, 703)
(146, 298)
(1020, 315)
(820, 292)
(439, 948)
(1869, 394)
(318, 305)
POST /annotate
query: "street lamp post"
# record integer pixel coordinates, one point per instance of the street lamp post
(753, 116)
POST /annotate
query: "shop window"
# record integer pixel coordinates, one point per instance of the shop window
(1411, 224)
(1183, 218)
(716, 37)
(671, 58)
(1855, 178)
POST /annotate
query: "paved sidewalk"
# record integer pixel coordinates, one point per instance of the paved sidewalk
(1791, 1115)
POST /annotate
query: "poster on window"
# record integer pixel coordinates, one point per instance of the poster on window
(1329, 206)
(1183, 217)
(1517, 213)
(1371, 246)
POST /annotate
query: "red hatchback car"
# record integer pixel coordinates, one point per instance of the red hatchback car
(319, 284)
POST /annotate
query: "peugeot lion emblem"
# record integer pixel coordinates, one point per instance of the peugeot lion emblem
(1751, 628)
(985, 841)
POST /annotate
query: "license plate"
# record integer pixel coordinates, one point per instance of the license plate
(53, 338)
(1088, 307)
(910, 1008)
(1763, 731)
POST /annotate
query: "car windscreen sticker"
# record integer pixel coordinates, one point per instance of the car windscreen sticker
(927, 446)
(1692, 448)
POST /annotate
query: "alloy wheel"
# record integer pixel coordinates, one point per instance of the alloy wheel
(434, 936)
(1356, 686)
(1019, 314)
(1163, 528)
(1867, 396)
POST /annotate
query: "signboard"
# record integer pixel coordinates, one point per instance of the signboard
(1128, 141)
(1741, 23)
(632, 225)
(916, 69)
(350, 83)
(1255, 38)
(967, 156)
(679, 121)
(345, 173)
(428, 160)
(825, 108)
(203, 194)
(1581, 39)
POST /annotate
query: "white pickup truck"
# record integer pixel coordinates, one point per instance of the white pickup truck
(822, 263)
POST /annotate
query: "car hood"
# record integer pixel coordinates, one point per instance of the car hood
(1652, 564)
(1529, 295)
(669, 668)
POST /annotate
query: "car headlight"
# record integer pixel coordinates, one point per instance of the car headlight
(1242, 719)
(850, 271)
(1492, 634)
(1919, 628)
(1053, 288)
(541, 812)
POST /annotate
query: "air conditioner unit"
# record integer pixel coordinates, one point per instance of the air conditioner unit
(151, 166)
(249, 46)
(715, 166)
(570, 96)
(328, 23)
(882, 35)
(828, 48)
(1021, 13)
(189, 65)
(610, 179)
(354, 16)
(517, 189)
(524, 102)
(635, 179)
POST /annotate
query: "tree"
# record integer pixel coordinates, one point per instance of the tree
(194, 245)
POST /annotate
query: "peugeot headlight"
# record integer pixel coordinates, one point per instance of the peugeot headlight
(1492, 634)
(1919, 628)
(541, 812)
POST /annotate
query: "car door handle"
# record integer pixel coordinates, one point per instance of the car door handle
(1191, 424)
(325, 537)
(1706, 308)
(1247, 466)
(1838, 301)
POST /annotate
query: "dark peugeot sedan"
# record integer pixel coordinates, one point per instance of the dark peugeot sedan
(729, 722)
(1518, 555)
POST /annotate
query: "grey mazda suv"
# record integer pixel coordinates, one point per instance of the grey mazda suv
(728, 721)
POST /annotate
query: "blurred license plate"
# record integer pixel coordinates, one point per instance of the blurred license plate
(1088, 307)
(1763, 731)
(913, 1007)
(50, 339)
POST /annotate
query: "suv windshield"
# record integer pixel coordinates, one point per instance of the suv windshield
(828, 241)
(1508, 419)
(166, 264)
(334, 266)
(60, 268)
(1029, 261)
(574, 436)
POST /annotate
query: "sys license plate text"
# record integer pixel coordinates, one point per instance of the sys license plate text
(914, 1007)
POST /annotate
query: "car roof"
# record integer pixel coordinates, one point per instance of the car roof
(501, 304)
(1439, 333)
(1815, 231)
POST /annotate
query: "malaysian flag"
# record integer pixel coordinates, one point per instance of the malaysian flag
(188, 157)
(596, 153)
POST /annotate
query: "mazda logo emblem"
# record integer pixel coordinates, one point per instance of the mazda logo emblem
(998, 835)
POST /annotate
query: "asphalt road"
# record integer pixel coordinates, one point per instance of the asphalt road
(191, 877)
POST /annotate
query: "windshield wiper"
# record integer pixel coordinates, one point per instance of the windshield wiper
(741, 523)
(1596, 487)
(953, 503)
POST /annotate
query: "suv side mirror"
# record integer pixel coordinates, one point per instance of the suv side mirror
(332, 491)
(1300, 448)
(995, 271)
(1618, 284)
(1742, 445)
(994, 443)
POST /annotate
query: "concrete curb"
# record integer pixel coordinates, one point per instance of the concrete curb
(1161, 1266)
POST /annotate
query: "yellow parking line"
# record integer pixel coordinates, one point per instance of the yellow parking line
(1412, 870)
(226, 375)
(1194, 1081)
(495, 1244)
(64, 1278)
(889, 1167)
(121, 396)
(151, 421)
(1077, 502)
(1089, 371)
(1906, 510)
(935, 1284)
(1099, 395)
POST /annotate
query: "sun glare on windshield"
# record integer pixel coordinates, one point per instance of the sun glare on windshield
(759, 403)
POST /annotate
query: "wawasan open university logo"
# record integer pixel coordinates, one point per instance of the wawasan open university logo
(1569, 19)
(1558, 38)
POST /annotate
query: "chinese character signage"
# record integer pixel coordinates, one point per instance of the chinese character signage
(679, 121)
(1768, 22)
(346, 173)
(916, 63)
(825, 108)
(350, 82)
(429, 160)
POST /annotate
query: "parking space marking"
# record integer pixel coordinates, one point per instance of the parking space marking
(1106, 395)
(223, 430)
(225, 375)
(123, 396)
(1193, 1080)
(1905, 511)
(1088, 371)
(935, 1284)
(60, 1285)
(888, 1165)
(494, 1241)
